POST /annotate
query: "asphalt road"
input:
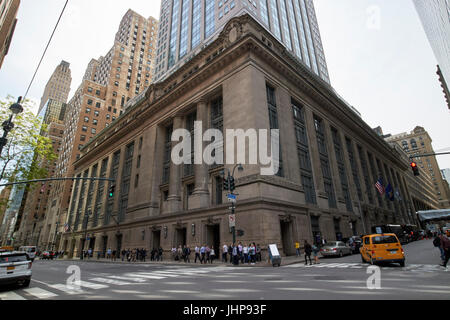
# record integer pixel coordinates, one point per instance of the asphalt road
(335, 279)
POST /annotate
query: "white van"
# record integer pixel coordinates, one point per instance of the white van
(30, 251)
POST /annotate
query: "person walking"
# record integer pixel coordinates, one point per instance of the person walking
(235, 255)
(225, 253)
(308, 251)
(180, 253)
(203, 254)
(108, 254)
(123, 254)
(445, 243)
(208, 254)
(197, 254)
(160, 254)
(187, 254)
(241, 255)
(297, 248)
(230, 252)
(315, 252)
(438, 244)
(212, 255)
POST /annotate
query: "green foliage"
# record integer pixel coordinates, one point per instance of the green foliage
(28, 152)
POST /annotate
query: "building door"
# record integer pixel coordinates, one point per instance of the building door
(287, 240)
(315, 227)
(181, 237)
(92, 244)
(213, 237)
(156, 239)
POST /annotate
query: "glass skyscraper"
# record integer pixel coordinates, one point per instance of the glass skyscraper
(187, 24)
(435, 17)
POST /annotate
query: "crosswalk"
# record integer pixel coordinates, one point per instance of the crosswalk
(410, 268)
(105, 281)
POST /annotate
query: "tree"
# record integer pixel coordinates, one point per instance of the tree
(29, 152)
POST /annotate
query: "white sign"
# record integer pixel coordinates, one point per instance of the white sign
(232, 220)
(274, 250)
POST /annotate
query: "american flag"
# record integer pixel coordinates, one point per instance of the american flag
(379, 186)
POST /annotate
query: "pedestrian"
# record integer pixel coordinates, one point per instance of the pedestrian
(203, 254)
(89, 253)
(235, 255)
(245, 251)
(197, 254)
(208, 254)
(180, 253)
(160, 254)
(174, 254)
(212, 255)
(108, 254)
(241, 255)
(114, 255)
(252, 253)
(225, 253)
(258, 253)
(187, 254)
(144, 254)
(445, 244)
(315, 252)
(308, 251)
(230, 252)
(297, 248)
(438, 244)
(123, 253)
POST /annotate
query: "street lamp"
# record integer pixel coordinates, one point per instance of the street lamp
(230, 186)
(16, 109)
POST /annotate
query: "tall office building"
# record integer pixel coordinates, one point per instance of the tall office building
(108, 84)
(8, 21)
(58, 87)
(187, 25)
(416, 143)
(435, 17)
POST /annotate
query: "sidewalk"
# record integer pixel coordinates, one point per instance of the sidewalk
(285, 261)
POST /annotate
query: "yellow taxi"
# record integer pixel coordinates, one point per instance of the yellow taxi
(382, 248)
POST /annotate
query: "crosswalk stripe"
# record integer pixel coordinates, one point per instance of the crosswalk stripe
(127, 278)
(66, 289)
(111, 281)
(7, 296)
(94, 286)
(162, 273)
(146, 276)
(40, 293)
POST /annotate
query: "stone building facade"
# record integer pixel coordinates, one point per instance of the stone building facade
(245, 79)
(8, 21)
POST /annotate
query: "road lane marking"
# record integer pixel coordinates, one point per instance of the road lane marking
(40, 293)
(10, 296)
(70, 290)
(94, 286)
(145, 276)
(111, 281)
(134, 279)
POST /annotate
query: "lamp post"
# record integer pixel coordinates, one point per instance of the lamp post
(8, 125)
(229, 186)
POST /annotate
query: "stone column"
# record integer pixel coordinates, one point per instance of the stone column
(175, 185)
(200, 197)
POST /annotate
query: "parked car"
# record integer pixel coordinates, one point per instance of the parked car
(382, 248)
(356, 245)
(48, 255)
(15, 268)
(30, 251)
(335, 248)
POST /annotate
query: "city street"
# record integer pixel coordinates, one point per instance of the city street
(336, 279)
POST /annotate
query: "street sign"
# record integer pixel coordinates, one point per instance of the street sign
(232, 220)
(232, 198)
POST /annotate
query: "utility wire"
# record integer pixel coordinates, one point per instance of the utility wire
(45, 51)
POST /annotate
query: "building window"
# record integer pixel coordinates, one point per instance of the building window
(209, 18)
(273, 121)
(196, 23)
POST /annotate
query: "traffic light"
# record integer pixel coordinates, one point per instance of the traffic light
(415, 169)
(232, 184)
(112, 190)
(226, 185)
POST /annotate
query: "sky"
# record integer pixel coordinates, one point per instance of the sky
(378, 56)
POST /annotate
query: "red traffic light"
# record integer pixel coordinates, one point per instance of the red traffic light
(415, 169)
